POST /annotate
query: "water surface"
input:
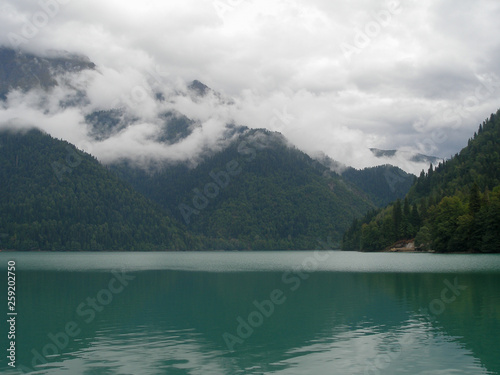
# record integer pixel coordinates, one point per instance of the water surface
(255, 313)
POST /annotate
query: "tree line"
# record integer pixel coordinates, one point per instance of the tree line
(453, 207)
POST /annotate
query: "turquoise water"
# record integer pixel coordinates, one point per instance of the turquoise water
(254, 313)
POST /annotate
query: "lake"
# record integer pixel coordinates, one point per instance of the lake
(323, 312)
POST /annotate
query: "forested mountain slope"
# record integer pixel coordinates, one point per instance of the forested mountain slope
(383, 184)
(248, 189)
(258, 193)
(55, 197)
(454, 207)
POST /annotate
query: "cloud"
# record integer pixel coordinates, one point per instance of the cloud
(36, 109)
(424, 74)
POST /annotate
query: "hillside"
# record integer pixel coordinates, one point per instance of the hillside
(257, 193)
(173, 176)
(25, 71)
(55, 197)
(454, 207)
(383, 184)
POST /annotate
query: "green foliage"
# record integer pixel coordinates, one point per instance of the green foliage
(474, 200)
(383, 184)
(486, 227)
(397, 219)
(279, 199)
(478, 163)
(423, 238)
(448, 210)
(444, 222)
(54, 197)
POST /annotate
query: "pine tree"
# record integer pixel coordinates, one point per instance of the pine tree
(406, 208)
(474, 200)
(397, 219)
(415, 217)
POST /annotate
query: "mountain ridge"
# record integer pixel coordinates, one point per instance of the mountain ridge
(281, 199)
(259, 184)
(26, 71)
(418, 158)
(453, 207)
(56, 197)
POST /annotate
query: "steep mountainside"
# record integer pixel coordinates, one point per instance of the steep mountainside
(258, 193)
(55, 197)
(234, 188)
(25, 71)
(383, 184)
(454, 207)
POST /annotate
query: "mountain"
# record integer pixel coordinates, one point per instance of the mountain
(453, 207)
(258, 193)
(196, 181)
(55, 197)
(25, 71)
(199, 88)
(383, 184)
(417, 158)
(199, 91)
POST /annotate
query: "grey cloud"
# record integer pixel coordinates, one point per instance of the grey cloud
(282, 64)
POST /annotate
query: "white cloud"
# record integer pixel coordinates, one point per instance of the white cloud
(25, 111)
(423, 64)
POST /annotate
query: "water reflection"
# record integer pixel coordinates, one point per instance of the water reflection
(173, 322)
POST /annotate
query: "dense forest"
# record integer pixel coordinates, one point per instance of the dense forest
(55, 197)
(254, 192)
(258, 193)
(454, 207)
(383, 184)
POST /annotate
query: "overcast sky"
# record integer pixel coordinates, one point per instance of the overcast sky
(332, 76)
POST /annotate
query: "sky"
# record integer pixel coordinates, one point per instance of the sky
(335, 77)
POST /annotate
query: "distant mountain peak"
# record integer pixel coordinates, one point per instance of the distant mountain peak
(26, 71)
(199, 88)
(414, 157)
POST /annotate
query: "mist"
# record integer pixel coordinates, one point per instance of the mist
(334, 78)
